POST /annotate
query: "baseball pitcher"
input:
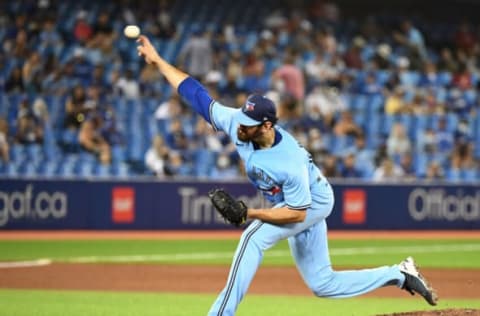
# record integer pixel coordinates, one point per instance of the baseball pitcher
(278, 166)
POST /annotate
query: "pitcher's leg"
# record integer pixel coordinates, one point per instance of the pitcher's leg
(310, 250)
(257, 238)
(246, 260)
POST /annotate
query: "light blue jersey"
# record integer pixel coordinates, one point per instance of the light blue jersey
(284, 173)
(286, 176)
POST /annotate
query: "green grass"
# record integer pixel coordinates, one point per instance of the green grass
(78, 303)
(351, 253)
(428, 253)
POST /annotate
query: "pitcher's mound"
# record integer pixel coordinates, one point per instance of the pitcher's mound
(444, 312)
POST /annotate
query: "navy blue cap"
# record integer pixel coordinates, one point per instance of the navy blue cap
(257, 109)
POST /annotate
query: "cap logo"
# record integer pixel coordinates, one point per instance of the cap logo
(249, 106)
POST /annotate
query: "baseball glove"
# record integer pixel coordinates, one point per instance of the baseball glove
(233, 211)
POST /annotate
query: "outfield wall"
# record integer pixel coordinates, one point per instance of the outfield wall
(92, 204)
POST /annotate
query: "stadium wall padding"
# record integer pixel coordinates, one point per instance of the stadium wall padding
(166, 205)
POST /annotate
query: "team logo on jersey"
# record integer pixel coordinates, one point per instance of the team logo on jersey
(273, 190)
(249, 106)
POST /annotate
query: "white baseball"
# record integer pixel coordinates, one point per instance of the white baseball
(131, 31)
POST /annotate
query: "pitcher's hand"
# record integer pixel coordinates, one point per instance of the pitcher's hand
(146, 50)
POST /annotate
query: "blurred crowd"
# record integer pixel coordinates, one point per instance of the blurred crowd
(379, 97)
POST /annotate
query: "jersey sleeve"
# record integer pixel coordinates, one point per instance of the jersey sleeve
(222, 118)
(296, 190)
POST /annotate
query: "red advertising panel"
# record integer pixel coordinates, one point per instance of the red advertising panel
(123, 205)
(354, 206)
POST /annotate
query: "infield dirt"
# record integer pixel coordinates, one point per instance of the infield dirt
(449, 283)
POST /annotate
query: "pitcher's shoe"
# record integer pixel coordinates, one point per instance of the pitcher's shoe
(415, 282)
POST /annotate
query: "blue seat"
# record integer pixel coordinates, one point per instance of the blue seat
(376, 104)
(445, 78)
(11, 169)
(452, 122)
(420, 162)
(84, 168)
(383, 76)
(102, 171)
(420, 122)
(48, 168)
(119, 154)
(386, 124)
(120, 170)
(470, 175)
(204, 160)
(410, 78)
(34, 152)
(18, 152)
(359, 103)
(28, 169)
(453, 175)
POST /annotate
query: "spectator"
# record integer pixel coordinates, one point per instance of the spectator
(370, 86)
(128, 86)
(151, 81)
(395, 104)
(82, 30)
(176, 166)
(462, 78)
(169, 109)
(82, 68)
(29, 131)
(427, 142)
(349, 169)
(165, 28)
(290, 78)
(388, 171)
(398, 143)
(4, 141)
(430, 78)
(40, 111)
(434, 172)
(464, 38)
(224, 169)
(206, 138)
(253, 73)
(15, 82)
(75, 108)
(329, 167)
(447, 61)
(406, 163)
(410, 37)
(109, 130)
(196, 57)
(316, 145)
(20, 46)
(364, 156)
(345, 126)
(463, 133)
(418, 106)
(323, 102)
(103, 33)
(31, 73)
(444, 138)
(381, 57)
(176, 137)
(325, 39)
(156, 156)
(51, 41)
(353, 57)
(318, 70)
(91, 139)
(98, 78)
